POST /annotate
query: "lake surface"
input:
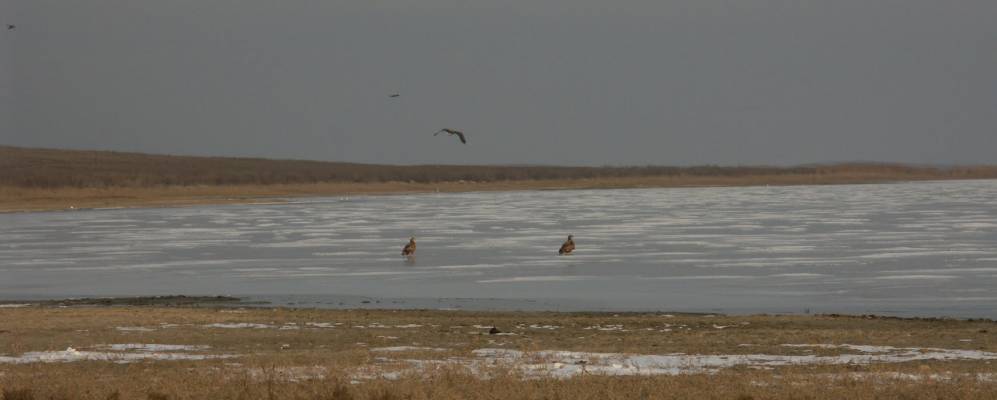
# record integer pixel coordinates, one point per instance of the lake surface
(923, 249)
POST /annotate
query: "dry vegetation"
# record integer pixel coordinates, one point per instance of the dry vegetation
(323, 363)
(34, 179)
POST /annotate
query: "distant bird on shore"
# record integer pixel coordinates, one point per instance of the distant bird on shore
(567, 247)
(393, 95)
(409, 248)
(11, 27)
(453, 132)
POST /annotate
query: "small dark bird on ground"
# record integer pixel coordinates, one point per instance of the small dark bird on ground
(494, 331)
(453, 132)
(409, 248)
(11, 27)
(393, 95)
(567, 247)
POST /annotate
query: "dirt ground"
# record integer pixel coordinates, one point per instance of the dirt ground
(156, 352)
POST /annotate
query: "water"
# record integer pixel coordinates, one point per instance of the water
(921, 249)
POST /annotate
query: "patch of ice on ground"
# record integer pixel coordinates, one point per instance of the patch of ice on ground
(153, 347)
(289, 374)
(566, 364)
(73, 355)
(14, 305)
(327, 325)
(407, 348)
(537, 326)
(134, 329)
(239, 325)
(606, 328)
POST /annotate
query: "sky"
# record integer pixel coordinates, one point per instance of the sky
(569, 82)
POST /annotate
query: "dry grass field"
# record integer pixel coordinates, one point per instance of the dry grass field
(132, 352)
(45, 179)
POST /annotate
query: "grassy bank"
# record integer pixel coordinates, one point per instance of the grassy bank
(45, 179)
(361, 354)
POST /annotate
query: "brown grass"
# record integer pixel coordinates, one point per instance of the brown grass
(268, 356)
(42, 179)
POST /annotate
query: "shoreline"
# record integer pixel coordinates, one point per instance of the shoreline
(20, 200)
(375, 304)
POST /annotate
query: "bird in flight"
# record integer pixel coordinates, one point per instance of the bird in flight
(453, 132)
(393, 95)
(567, 247)
(409, 248)
(11, 27)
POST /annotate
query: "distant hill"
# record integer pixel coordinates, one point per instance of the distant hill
(51, 168)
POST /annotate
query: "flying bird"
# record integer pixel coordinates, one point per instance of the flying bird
(453, 132)
(409, 248)
(567, 247)
(11, 27)
(393, 95)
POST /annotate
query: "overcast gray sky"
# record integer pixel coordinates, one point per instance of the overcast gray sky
(587, 82)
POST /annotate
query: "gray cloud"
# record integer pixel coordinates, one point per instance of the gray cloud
(555, 81)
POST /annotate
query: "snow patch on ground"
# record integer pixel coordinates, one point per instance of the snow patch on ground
(133, 329)
(607, 328)
(566, 364)
(288, 374)
(125, 353)
(327, 325)
(538, 326)
(239, 325)
(153, 347)
(408, 348)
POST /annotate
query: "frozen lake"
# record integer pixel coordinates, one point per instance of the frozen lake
(922, 249)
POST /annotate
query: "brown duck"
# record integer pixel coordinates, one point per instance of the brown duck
(567, 247)
(409, 248)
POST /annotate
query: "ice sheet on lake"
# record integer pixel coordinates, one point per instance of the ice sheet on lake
(889, 248)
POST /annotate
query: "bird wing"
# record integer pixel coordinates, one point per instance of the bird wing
(438, 132)
(461, 136)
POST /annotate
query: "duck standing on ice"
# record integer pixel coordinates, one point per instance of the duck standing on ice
(567, 247)
(409, 249)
